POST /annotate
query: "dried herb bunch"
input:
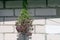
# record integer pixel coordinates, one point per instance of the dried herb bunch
(24, 23)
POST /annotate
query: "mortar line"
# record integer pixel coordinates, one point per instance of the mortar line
(14, 12)
(34, 11)
(3, 20)
(14, 29)
(34, 29)
(3, 36)
(45, 36)
(4, 4)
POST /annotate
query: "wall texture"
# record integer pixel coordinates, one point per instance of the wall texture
(8, 17)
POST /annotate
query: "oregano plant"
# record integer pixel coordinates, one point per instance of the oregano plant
(24, 23)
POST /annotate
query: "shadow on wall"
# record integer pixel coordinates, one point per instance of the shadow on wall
(12, 20)
(39, 14)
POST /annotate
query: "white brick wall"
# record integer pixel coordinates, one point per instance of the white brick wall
(8, 28)
(40, 29)
(11, 36)
(57, 20)
(15, 29)
(4, 29)
(50, 22)
(53, 29)
(39, 21)
(53, 37)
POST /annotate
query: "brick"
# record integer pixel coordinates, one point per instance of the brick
(52, 28)
(50, 22)
(39, 21)
(38, 3)
(57, 20)
(18, 11)
(38, 37)
(4, 29)
(53, 3)
(10, 20)
(1, 36)
(53, 37)
(40, 29)
(45, 12)
(13, 4)
(6, 12)
(12, 36)
(1, 4)
(1, 20)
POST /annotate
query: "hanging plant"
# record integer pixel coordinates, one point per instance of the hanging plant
(24, 23)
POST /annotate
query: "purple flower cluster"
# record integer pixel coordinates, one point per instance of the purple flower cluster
(24, 27)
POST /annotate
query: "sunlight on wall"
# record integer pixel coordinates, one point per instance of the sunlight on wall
(52, 28)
